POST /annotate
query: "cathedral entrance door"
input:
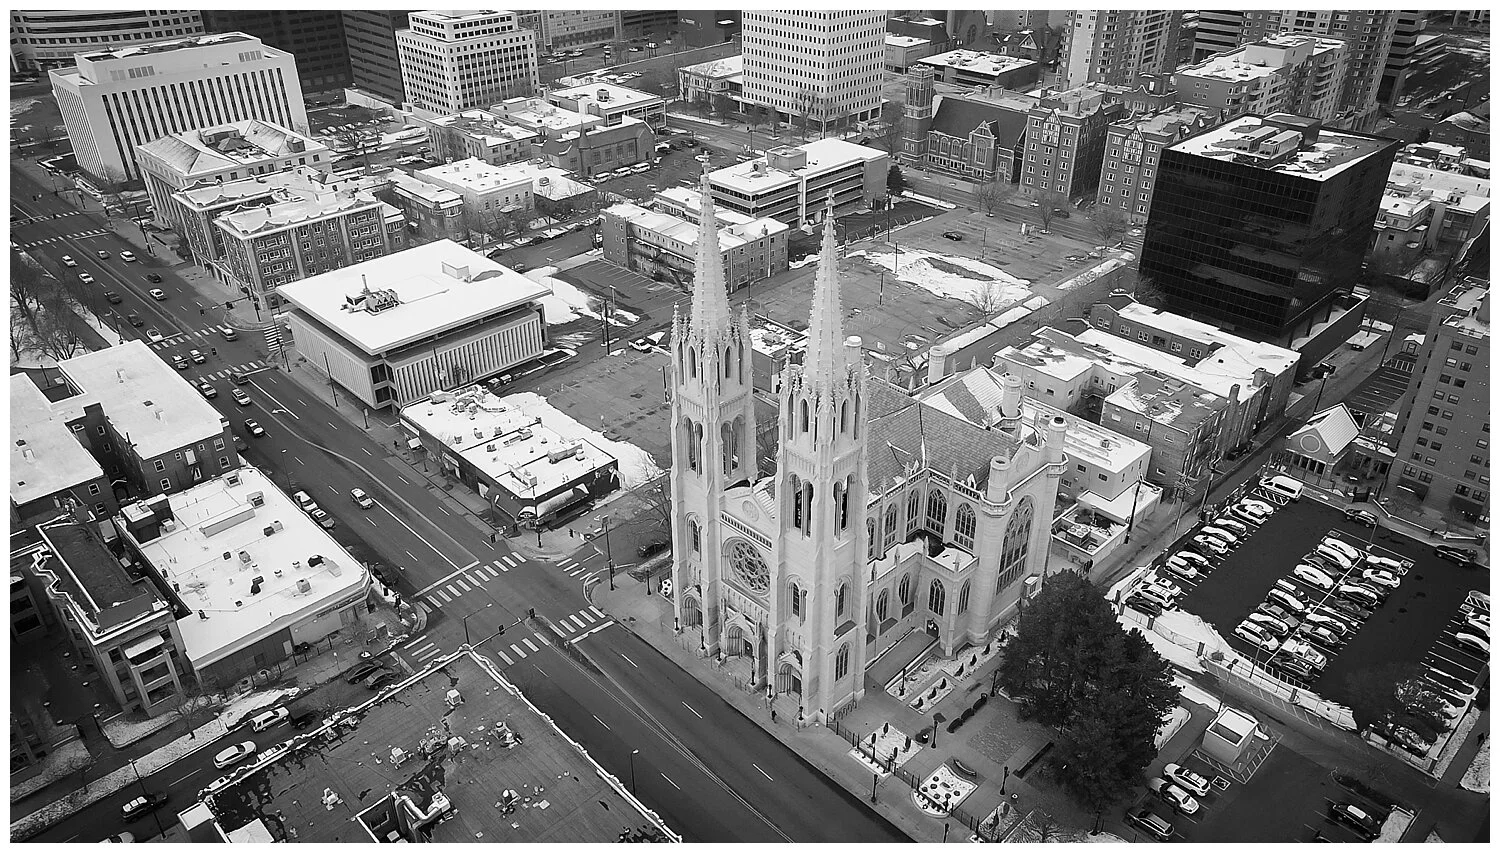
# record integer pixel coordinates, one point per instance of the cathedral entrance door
(789, 680)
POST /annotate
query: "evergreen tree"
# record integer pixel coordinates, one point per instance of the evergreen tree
(895, 182)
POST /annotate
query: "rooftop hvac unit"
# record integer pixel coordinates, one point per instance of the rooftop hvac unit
(232, 478)
(244, 556)
(315, 560)
(268, 530)
(304, 586)
(278, 525)
(168, 525)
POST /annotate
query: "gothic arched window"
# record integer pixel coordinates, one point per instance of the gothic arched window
(963, 598)
(1014, 546)
(841, 662)
(890, 525)
(903, 590)
(963, 526)
(936, 597)
(882, 604)
(695, 532)
(749, 568)
(874, 540)
(803, 410)
(913, 511)
(796, 595)
(796, 483)
(937, 512)
(841, 599)
(693, 362)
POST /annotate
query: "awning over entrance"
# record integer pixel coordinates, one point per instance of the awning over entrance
(907, 649)
(135, 650)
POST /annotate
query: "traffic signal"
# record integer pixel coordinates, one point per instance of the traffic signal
(228, 303)
(531, 612)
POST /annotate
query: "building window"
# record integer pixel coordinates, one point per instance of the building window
(882, 605)
(936, 597)
(841, 662)
(1015, 546)
(93, 489)
(963, 526)
(695, 534)
(903, 591)
(841, 600)
(796, 596)
(963, 598)
(937, 512)
(166, 484)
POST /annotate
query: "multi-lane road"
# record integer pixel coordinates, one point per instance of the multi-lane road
(715, 775)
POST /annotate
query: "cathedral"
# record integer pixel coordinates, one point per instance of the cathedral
(885, 514)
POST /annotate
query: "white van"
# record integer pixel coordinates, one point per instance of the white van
(1284, 486)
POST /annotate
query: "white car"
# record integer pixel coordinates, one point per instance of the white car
(1156, 581)
(1211, 544)
(127, 256)
(1270, 623)
(85, 278)
(1478, 624)
(1257, 505)
(1195, 559)
(1186, 779)
(1314, 576)
(1219, 533)
(1173, 796)
(1323, 620)
(1334, 556)
(154, 336)
(1290, 601)
(1235, 527)
(1472, 642)
(1344, 548)
(1304, 650)
(1181, 568)
(305, 501)
(1394, 566)
(235, 754)
(1256, 636)
(361, 499)
(158, 294)
(1382, 577)
(67, 261)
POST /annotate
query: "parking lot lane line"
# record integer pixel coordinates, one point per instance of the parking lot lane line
(601, 722)
(670, 782)
(530, 644)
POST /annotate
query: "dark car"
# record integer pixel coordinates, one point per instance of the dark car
(113, 298)
(380, 679)
(651, 549)
(1151, 822)
(1355, 818)
(154, 278)
(1061, 214)
(135, 320)
(1462, 556)
(140, 806)
(953, 235)
(1144, 605)
(364, 670)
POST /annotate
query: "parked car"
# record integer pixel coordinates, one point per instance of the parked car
(1390, 564)
(234, 754)
(1334, 556)
(138, 807)
(953, 235)
(1148, 606)
(361, 499)
(1167, 588)
(1472, 642)
(1184, 569)
(1229, 539)
(1150, 822)
(1198, 560)
(1339, 545)
(323, 519)
(1381, 577)
(1410, 740)
(85, 278)
(134, 320)
(1295, 667)
(304, 500)
(1173, 796)
(1304, 650)
(255, 429)
(240, 397)
(1277, 612)
(1286, 599)
(1462, 556)
(158, 294)
(197, 357)
(1256, 636)
(1358, 594)
(1362, 516)
(1061, 214)
(1272, 625)
(113, 298)
(120, 838)
(1355, 818)
(376, 680)
(1238, 528)
(208, 391)
(127, 256)
(1479, 624)
(1321, 633)
(1186, 779)
(1210, 544)
(651, 549)
(266, 719)
(67, 261)
(1258, 505)
(364, 670)
(179, 362)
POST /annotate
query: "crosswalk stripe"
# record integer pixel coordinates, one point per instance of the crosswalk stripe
(566, 563)
(429, 653)
(579, 622)
(451, 591)
(488, 573)
(511, 560)
(597, 611)
(517, 649)
(585, 614)
(530, 644)
(437, 593)
(505, 657)
(463, 586)
(502, 567)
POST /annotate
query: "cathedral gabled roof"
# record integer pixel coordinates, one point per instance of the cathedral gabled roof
(905, 431)
(958, 116)
(710, 314)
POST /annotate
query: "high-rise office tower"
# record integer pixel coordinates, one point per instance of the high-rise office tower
(1257, 224)
(314, 37)
(457, 60)
(1409, 25)
(823, 64)
(704, 27)
(565, 29)
(1116, 46)
(41, 40)
(374, 64)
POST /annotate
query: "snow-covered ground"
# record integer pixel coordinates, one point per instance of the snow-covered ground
(911, 196)
(58, 764)
(20, 106)
(636, 465)
(1477, 778)
(1195, 694)
(567, 302)
(1174, 720)
(992, 285)
(122, 732)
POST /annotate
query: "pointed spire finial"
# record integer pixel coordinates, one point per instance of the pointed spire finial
(826, 360)
(710, 314)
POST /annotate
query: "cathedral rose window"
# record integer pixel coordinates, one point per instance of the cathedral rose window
(749, 569)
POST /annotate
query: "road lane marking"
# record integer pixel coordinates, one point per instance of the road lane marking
(444, 509)
(332, 424)
(602, 723)
(403, 479)
(367, 451)
(410, 554)
(430, 545)
(177, 782)
(695, 713)
(670, 782)
(283, 406)
(594, 630)
(762, 772)
(444, 579)
(628, 660)
(300, 463)
(576, 621)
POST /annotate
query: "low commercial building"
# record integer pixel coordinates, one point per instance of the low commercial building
(1425, 208)
(1065, 139)
(249, 575)
(486, 188)
(432, 212)
(704, 80)
(592, 151)
(145, 429)
(564, 29)
(479, 134)
(902, 52)
(431, 318)
(125, 629)
(226, 152)
(1133, 149)
(301, 230)
(791, 184)
(974, 68)
(533, 464)
(455, 749)
(612, 103)
(663, 246)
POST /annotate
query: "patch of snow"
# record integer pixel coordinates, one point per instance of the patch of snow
(122, 732)
(1173, 721)
(797, 265)
(1104, 838)
(1477, 777)
(911, 196)
(1195, 694)
(566, 303)
(635, 464)
(914, 267)
(57, 765)
(20, 106)
(243, 707)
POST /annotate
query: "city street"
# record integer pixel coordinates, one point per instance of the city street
(694, 741)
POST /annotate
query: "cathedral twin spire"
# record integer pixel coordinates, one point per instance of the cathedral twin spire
(710, 313)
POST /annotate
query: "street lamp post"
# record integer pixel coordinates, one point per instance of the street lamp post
(633, 754)
(937, 721)
(147, 794)
(466, 620)
(874, 781)
(609, 556)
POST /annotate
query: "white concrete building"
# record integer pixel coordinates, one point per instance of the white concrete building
(256, 573)
(455, 60)
(486, 188)
(47, 39)
(824, 64)
(1423, 207)
(227, 152)
(1116, 46)
(115, 100)
(1289, 72)
(479, 134)
(792, 184)
(612, 103)
(433, 317)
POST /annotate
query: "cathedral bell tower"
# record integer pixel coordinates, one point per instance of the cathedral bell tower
(821, 574)
(713, 430)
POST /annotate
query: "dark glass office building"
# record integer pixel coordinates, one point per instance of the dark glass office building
(1257, 224)
(373, 59)
(314, 37)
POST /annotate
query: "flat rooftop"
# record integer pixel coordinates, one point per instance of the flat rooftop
(729, 66)
(691, 199)
(485, 127)
(479, 176)
(1332, 153)
(93, 578)
(429, 282)
(428, 192)
(731, 235)
(220, 517)
(537, 113)
(1169, 119)
(143, 397)
(606, 95)
(226, 146)
(45, 457)
(893, 40)
(289, 208)
(823, 155)
(1229, 66)
(976, 62)
(1235, 358)
(1166, 400)
(168, 45)
(1468, 307)
(530, 450)
(382, 772)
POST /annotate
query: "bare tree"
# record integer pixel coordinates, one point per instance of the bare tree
(480, 222)
(766, 448)
(656, 512)
(893, 121)
(354, 141)
(111, 183)
(988, 297)
(1108, 222)
(58, 330)
(1049, 203)
(555, 210)
(447, 144)
(704, 104)
(1148, 293)
(723, 104)
(27, 284)
(991, 193)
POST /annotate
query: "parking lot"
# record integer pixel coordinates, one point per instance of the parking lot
(1379, 392)
(1416, 623)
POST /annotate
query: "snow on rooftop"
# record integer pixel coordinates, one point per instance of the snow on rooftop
(916, 267)
(44, 455)
(519, 441)
(1237, 356)
(478, 176)
(613, 95)
(1217, 373)
(823, 156)
(219, 517)
(429, 280)
(1332, 153)
(485, 127)
(564, 302)
(1104, 447)
(144, 398)
(976, 62)
(904, 41)
(729, 66)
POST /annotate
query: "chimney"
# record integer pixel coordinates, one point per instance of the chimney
(120, 375)
(998, 484)
(936, 356)
(1010, 396)
(1057, 432)
(854, 350)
